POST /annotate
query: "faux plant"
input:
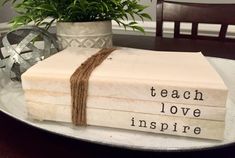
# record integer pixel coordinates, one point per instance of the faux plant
(78, 11)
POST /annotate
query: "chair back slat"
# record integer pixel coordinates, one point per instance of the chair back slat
(194, 30)
(159, 20)
(177, 29)
(223, 31)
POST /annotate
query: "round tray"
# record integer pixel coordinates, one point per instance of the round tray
(124, 138)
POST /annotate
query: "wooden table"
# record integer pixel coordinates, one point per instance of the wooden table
(208, 48)
(20, 140)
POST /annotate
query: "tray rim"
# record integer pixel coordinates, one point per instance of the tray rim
(170, 149)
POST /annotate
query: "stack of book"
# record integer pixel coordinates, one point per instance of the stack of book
(172, 93)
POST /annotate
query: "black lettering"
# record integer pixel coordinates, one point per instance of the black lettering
(132, 121)
(198, 95)
(197, 130)
(186, 95)
(142, 123)
(163, 108)
(164, 93)
(186, 128)
(175, 94)
(175, 125)
(153, 125)
(173, 110)
(164, 127)
(185, 111)
(197, 113)
(153, 93)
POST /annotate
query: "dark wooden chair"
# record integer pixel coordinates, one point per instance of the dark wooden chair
(195, 13)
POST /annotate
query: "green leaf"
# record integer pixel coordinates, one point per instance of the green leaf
(138, 28)
(78, 11)
(145, 15)
(133, 23)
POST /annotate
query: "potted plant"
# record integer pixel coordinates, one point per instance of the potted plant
(83, 23)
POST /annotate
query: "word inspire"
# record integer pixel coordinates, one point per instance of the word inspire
(165, 127)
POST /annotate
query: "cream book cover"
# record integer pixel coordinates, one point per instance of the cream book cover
(160, 92)
(132, 105)
(134, 74)
(180, 126)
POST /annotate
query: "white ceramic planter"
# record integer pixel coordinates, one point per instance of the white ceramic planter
(85, 34)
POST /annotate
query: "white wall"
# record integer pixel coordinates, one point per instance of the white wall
(6, 13)
(151, 10)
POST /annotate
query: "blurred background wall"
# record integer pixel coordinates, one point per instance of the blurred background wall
(6, 12)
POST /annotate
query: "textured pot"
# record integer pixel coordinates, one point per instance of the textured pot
(85, 34)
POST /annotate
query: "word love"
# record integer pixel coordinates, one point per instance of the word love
(180, 110)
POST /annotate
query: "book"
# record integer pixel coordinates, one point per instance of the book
(134, 74)
(132, 105)
(160, 92)
(132, 121)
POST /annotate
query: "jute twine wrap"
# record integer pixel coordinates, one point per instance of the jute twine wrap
(79, 85)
